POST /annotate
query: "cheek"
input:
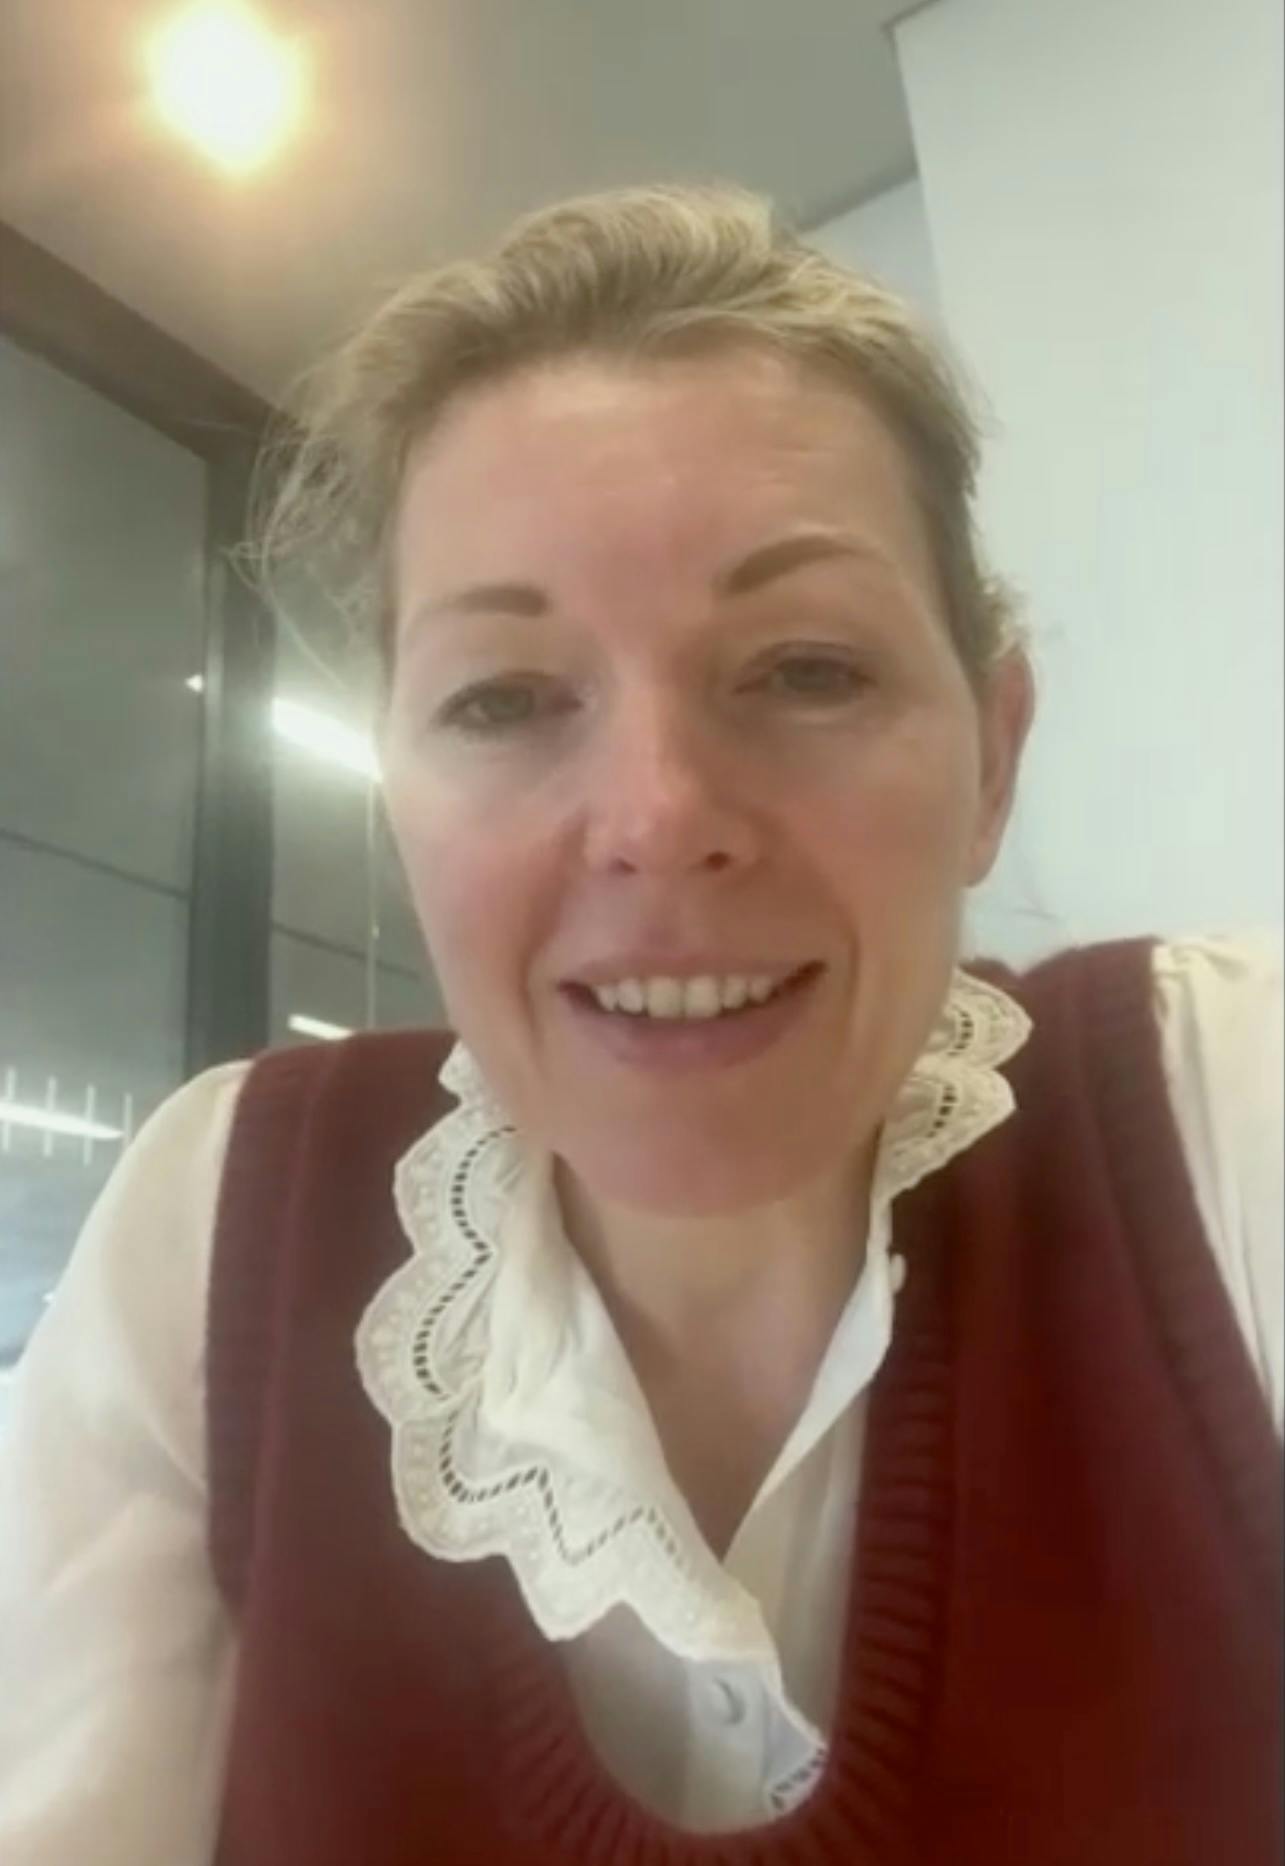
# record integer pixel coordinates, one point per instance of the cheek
(897, 832)
(477, 888)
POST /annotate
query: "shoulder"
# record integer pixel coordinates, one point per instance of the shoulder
(356, 1102)
(1221, 1010)
(1195, 1023)
(1208, 1008)
(1219, 1006)
(191, 1121)
(1221, 991)
(169, 1172)
(1213, 989)
(129, 1304)
(120, 1344)
(383, 1057)
(1216, 1004)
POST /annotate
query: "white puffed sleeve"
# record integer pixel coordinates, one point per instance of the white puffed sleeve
(1223, 1039)
(115, 1653)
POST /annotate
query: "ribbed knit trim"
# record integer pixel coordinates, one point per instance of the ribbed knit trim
(1194, 1320)
(271, 1132)
(862, 1809)
(269, 1126)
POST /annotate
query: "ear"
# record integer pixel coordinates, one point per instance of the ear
(1006, 708)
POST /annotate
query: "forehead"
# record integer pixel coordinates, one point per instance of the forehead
(599, 467)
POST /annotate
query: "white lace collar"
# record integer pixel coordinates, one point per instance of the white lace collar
(513, 1407)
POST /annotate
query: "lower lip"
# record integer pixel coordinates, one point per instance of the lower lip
(678, 1045)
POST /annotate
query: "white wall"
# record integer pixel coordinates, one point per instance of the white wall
(1103, 188)
(888, 237)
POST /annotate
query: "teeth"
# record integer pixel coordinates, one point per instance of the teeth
(700, 998)
(675, 998)
(664, 997)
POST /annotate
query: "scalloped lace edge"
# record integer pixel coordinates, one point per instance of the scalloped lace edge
(578, 1543)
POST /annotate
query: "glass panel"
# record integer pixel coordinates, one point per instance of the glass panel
(102, 538)
(346, 947)
(93, 968)
(102, 525)
(323, 986)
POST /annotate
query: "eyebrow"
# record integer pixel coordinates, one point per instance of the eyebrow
(750, 573)
(777, 560)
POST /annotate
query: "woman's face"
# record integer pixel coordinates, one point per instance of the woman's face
(673, 700)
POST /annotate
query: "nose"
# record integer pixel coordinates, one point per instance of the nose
(662, 798)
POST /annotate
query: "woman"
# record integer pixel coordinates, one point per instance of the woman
(778, 1396)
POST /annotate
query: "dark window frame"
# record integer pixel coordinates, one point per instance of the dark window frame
(55, 312)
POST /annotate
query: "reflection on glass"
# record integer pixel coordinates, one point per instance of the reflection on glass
(101, 578)
(346, 951)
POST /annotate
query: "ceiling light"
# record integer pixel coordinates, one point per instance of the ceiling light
(222, 79)
(317, 733)
(50, 1121)
(318, 1027)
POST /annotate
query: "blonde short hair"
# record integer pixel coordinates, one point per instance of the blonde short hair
(639, 272)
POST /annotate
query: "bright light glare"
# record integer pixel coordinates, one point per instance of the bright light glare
(326, 738)
(318, 1027)
(49, 1121)
(224, 81)
(316, 733)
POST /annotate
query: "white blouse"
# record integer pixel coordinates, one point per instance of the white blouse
(707, 1686)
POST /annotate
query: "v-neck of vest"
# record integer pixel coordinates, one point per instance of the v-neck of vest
(558, 1792)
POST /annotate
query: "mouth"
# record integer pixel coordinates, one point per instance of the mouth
(708, 997)
(675, 1025)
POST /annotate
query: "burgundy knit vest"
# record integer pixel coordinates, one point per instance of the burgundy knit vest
(1063, 1642)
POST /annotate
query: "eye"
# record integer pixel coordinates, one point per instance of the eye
(813, 675)
(494, 707)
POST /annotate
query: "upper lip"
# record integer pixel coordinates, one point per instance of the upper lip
(688, 965)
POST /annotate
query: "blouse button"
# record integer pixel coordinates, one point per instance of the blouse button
(728, 1703)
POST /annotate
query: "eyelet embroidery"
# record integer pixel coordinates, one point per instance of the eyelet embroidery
(787, 1792)
(579, 1544)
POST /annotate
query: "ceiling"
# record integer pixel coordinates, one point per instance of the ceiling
(432, 123)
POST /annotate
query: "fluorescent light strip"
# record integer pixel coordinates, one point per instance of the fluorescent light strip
(325, 738)
(315, 732)
(318, 1027)
(50, 1121)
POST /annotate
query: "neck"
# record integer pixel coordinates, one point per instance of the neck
(725, 1321)
(716, 1291)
